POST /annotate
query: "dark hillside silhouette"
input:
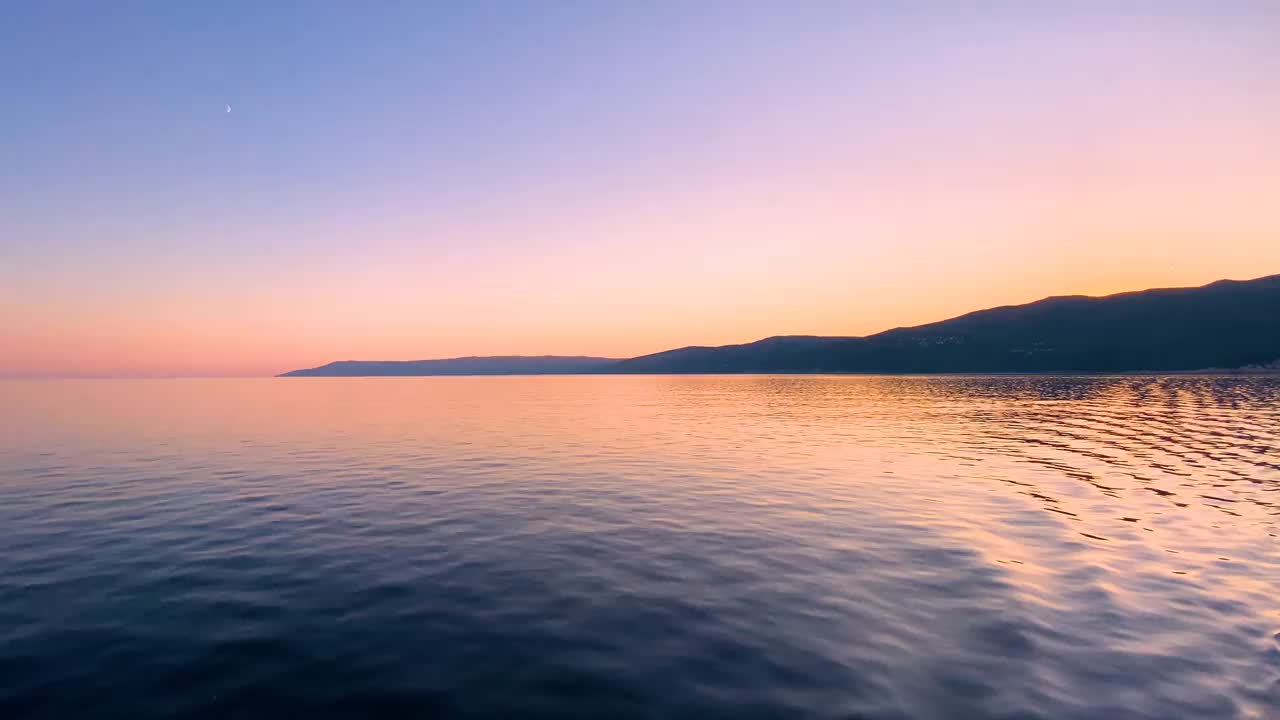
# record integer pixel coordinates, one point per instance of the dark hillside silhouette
(1224, 325)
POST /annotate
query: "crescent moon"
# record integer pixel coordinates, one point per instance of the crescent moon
(228, 108)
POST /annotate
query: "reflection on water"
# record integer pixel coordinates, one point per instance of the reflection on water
(842, 547)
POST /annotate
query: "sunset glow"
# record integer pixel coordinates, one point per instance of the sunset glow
(606, 180)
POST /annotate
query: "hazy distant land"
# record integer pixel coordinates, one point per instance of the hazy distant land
(500, 365)
(1226, 325)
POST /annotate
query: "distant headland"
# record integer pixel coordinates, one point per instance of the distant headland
(498, 365)
(1225, 325)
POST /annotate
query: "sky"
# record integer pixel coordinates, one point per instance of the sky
(407, 180)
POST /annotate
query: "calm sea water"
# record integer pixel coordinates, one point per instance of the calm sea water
(648, 547)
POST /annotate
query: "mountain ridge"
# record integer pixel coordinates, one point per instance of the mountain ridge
(1225, 324)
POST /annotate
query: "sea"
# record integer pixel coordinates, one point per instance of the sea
(844, 547)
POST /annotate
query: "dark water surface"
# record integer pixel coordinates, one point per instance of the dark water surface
(657, 547)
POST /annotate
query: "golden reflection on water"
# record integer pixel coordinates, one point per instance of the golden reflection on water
(1116, 514)
(1108, 457)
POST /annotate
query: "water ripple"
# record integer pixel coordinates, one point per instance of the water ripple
(648, 547)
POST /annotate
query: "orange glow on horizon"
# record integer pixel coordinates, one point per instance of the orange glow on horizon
(810, 183)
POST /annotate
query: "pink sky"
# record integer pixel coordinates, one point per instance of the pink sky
(654, 185)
